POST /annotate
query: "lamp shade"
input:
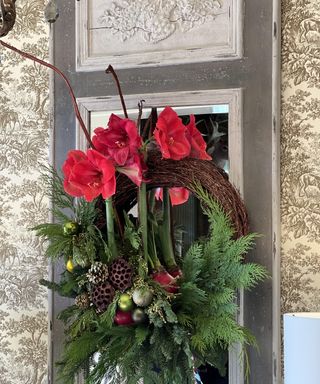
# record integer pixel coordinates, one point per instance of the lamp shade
(302, 348)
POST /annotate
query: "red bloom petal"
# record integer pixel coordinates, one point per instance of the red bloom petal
(89, 175)
(170, 135)
(178, 195)
(119, 141)
(133, 169)
(198, 145)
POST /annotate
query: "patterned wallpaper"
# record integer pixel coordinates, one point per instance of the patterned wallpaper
(300, 155)
(23, 145)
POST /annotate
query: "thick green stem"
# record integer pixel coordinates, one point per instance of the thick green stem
(149, 249)
(143, 219)
(166, 238)
(110, 228)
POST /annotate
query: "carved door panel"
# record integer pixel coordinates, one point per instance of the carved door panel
(173, 50)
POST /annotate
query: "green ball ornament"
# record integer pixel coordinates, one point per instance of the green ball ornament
(139, 316)
(125, 302)
(70, 228)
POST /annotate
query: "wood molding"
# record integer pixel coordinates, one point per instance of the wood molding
(230, 49)
(232, 97)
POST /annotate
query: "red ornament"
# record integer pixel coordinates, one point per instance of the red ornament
(167, 281)
(123, 318)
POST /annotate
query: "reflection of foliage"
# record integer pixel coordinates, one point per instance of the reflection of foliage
(298, 290)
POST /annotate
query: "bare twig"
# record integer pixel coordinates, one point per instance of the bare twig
(112, 71)
(48, 65)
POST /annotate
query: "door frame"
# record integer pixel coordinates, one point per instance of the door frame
(257, 74)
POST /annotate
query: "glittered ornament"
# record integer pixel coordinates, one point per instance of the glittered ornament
(70, 228)
(70, 266)
(139, 316)
(125, 302)
(102, 296)
(82, 301)
(142, 297)
(98, 273)
(123, 318)
(120, 274)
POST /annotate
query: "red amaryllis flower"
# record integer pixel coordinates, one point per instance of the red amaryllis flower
(89, 175)
(170, 134)
(198, 145)
(178, 195)
(134, 169)
(119, 141)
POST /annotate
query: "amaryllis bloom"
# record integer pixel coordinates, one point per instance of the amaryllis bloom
(170, 134)
(89, 175)
(119, 141)
(178, 195)
(134, 169)
(198, 145)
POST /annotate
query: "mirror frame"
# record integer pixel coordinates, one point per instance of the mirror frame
(231, 97)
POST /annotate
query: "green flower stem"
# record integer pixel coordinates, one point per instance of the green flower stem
(110, 228)
(143, 219)
(149, 248)
(166, 239)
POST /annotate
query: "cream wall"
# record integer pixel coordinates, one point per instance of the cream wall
(23, 146)
(300, 155)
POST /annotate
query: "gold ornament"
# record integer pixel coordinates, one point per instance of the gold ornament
(70, 266)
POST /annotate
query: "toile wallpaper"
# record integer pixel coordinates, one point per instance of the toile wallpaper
(24, 131)
(24, 135)
(300, 155)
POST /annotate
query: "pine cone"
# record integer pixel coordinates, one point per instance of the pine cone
(82, 301)
(120, 274)
(102, 295)
(98, 273)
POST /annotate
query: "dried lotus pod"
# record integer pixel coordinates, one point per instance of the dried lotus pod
(102, 296)
(120, 274)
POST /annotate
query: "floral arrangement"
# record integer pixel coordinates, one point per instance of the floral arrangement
(141, 311)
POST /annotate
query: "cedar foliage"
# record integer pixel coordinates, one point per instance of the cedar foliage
(193, 327)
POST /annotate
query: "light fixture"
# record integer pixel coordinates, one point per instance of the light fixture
(7, 16)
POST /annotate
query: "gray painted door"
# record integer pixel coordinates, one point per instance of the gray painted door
(254, 73)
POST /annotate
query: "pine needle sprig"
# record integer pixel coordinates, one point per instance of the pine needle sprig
(54, 186)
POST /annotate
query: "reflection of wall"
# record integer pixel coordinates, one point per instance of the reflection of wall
(300, 147)
(23, 145)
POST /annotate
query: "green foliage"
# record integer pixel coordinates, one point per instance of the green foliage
(195, 326)
(83, 247)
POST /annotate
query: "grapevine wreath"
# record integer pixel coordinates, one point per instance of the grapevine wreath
(141, 311)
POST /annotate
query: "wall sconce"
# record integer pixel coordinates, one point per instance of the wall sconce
(7, 16)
